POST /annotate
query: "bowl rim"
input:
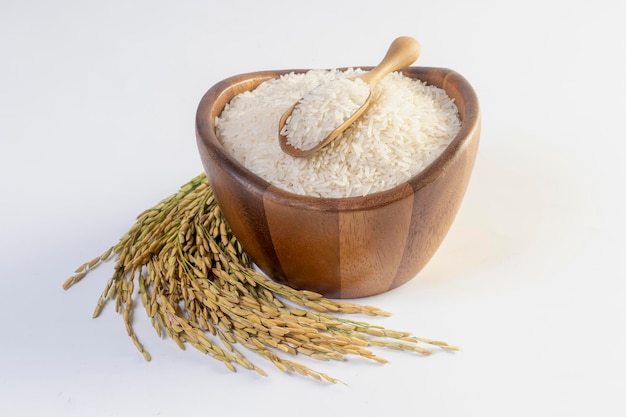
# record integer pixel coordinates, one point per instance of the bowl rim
(214, 100)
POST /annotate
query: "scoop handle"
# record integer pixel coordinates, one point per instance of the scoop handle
(402, 52)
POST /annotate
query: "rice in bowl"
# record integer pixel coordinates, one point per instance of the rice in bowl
(407, 126)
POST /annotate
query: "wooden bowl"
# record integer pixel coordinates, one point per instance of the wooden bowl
(341, 247)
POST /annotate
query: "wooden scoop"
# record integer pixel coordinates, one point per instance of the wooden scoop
(402, 52)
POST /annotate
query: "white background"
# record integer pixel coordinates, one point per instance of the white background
(97, 105)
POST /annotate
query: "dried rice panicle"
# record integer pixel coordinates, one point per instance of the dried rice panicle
(199, 288)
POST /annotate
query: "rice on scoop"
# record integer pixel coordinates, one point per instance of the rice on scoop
(322, 110)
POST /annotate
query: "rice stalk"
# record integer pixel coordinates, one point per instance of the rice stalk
(200, 289)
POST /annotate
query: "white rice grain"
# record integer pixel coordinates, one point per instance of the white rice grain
(322, 110)
(406, 127)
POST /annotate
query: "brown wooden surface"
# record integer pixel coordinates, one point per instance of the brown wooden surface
(351, 247)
